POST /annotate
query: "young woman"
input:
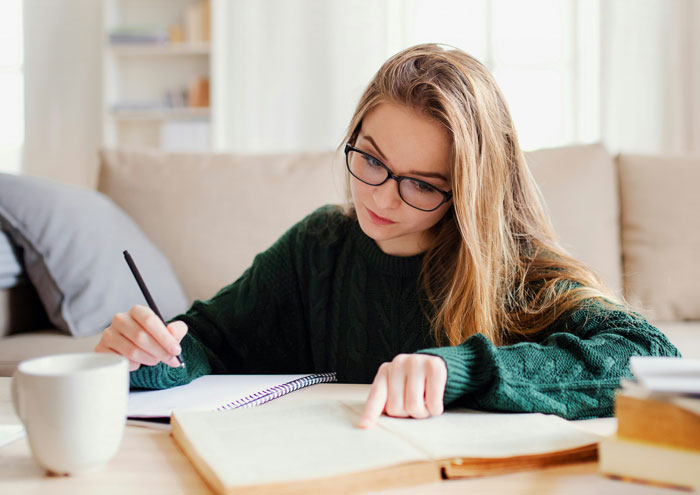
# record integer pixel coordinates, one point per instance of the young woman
(442, 283)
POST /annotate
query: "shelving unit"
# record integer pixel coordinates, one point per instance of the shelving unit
(154, 72)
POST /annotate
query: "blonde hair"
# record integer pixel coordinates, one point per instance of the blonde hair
(496, 266)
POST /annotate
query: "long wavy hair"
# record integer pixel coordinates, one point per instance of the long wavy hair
(496, 266)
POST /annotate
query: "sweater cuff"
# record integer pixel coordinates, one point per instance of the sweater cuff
(464, 372)
(163, 376)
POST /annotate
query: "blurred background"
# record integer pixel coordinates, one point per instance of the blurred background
(267, 76)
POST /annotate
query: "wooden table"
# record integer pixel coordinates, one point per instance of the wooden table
(149, 462)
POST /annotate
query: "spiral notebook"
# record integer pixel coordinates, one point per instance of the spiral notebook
(219, 393)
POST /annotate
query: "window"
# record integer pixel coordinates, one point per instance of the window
(543, 54)
(11, 86)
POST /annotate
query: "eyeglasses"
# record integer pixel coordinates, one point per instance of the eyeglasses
(414, 192)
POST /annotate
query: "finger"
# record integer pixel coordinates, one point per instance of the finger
(414, 396)
(140, 338)
(124, 334)
(178, 329)
(395, 405)
(435, 385)
(125, 347)
(150, 322)
(100, 347)
(376, 400)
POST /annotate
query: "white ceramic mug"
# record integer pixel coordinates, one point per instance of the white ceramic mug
(73, 407)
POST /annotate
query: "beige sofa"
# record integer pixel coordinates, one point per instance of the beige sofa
(631, 218)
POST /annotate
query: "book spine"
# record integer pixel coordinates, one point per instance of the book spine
(278, 391)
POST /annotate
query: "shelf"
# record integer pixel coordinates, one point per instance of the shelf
(144, 73)
(160, 114)
(157, 49)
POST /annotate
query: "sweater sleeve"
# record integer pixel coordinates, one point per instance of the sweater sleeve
(254, 325)
(573, 372)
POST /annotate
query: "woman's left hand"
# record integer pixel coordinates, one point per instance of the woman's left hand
(412, 385)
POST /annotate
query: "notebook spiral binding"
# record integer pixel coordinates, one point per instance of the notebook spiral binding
(278, 391)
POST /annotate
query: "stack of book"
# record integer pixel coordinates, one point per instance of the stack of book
(138, 35)
(658, 432)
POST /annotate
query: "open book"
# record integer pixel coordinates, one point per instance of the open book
(316, 447)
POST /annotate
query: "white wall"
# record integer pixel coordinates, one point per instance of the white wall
(63, 101)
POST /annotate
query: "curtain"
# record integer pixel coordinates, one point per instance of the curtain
(650, 75)
(63, 89)
(289, 73)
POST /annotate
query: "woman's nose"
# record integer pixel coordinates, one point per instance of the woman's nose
(387, 196)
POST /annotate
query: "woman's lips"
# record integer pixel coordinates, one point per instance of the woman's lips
(379, 220)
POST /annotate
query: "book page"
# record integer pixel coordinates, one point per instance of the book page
(290, 442)
(205, 393)
(667, 374)
(467, 433)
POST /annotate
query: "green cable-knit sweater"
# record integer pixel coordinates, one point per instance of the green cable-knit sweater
(325, 298)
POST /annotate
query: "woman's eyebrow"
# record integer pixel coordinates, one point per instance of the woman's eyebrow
(433, 175)
(369, 138)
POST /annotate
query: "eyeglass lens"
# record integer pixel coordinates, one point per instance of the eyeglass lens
(415, 192)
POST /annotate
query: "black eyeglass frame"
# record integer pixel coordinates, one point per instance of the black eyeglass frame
(446, 195)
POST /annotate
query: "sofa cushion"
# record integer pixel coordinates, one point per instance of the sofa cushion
(71, 241)
(579, 186)
(16, 348)
(212, 213)
(685, 335)
(661, 234)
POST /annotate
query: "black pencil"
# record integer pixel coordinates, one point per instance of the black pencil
(146, 294)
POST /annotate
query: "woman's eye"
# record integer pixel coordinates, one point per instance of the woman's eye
(372, 162)
(422, 187)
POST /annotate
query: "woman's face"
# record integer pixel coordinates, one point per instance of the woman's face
(412, 145)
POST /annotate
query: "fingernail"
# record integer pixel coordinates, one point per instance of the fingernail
(176, 349)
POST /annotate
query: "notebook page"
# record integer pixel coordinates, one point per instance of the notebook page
(10, 433)
(290, 442)
(467, 433)
(205, 393)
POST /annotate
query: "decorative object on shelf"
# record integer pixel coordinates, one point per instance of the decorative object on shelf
(198, 94)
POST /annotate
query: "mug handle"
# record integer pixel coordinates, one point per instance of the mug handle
(15, 396)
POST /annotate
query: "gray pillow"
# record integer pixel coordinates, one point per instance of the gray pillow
(11, 269)
(71, 241)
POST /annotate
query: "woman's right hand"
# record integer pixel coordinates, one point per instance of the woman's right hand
(142, 338)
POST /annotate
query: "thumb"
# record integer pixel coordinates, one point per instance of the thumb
(178, 329)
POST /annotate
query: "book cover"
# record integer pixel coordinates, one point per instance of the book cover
(661, 419)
